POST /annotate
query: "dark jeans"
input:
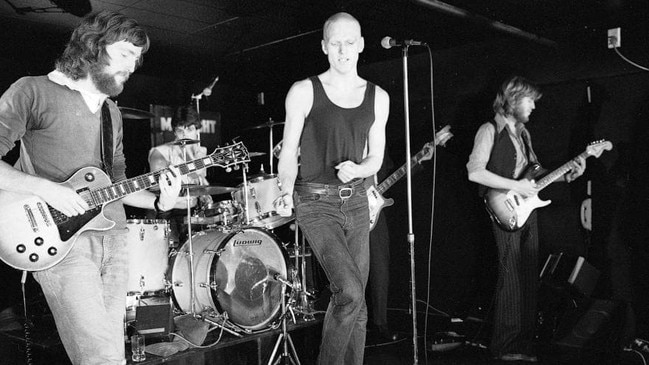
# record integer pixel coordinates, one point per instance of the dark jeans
(379, 271)
(337, 230)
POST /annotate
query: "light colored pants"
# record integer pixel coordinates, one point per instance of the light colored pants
(86, 293)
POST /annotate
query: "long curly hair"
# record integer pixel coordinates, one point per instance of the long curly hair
(87, 45)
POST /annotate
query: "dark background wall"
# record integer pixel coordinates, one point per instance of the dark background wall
(458, 251)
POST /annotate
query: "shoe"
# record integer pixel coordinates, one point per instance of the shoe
(517, 357)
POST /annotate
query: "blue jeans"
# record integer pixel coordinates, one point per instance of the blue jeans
(86, 293)
(337, 230)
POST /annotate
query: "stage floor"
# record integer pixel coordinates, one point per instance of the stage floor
(257, 348)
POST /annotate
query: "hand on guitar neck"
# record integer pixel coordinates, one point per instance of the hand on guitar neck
(374, 193)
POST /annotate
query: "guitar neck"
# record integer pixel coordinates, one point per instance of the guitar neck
(551, 177)
(123, 188)
(395, 176)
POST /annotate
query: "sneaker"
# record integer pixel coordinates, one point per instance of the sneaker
(518, 357)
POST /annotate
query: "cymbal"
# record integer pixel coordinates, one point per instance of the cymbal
(184, 141)
(268, 124)
(198, 190)
(132, 113)
(256, 154)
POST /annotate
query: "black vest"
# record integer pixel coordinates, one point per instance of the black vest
(502, 160)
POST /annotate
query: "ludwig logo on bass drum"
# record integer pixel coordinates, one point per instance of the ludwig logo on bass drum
(247, 243)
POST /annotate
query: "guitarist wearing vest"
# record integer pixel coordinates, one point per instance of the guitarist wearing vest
(502, 150)
(61, 120)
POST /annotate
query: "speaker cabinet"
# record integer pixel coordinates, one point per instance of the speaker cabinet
(154, 317)
(572, 273)
(596, 328)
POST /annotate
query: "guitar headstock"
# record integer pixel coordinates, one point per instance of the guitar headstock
(230, 156)
(596, 148)
(443, 136)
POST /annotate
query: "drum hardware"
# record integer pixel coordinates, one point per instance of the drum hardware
(223, 325)
(284, 338)
(270, 124)
(301, 293)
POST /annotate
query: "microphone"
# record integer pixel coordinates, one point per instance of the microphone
(389, 42)
(208, 90)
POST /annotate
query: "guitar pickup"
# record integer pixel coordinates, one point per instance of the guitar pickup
(44, 215)
(30, 217)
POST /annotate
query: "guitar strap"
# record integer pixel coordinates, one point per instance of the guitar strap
(107, 140)
(531, 156)
(24, 162)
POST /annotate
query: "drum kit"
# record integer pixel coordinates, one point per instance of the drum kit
(234, 271)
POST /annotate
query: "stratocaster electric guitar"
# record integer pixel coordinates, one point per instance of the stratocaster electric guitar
(34, 236)
(510, 210)
(376, 201)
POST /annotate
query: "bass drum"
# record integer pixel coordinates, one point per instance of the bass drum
(233, 273)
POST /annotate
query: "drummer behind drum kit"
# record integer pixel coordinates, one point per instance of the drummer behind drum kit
(232, 273)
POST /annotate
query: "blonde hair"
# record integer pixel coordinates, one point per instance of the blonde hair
(512, 91)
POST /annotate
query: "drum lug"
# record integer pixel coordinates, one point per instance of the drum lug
(212, 285)
(215, 252)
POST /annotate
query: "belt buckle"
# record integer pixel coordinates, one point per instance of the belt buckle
(345, 193)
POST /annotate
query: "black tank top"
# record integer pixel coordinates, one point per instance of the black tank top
(333, 134)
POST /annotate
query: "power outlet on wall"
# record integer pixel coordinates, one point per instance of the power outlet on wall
(614, 38)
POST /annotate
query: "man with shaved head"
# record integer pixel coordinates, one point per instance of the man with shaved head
(337, 120)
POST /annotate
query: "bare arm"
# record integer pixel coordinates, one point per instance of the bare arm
(60, 197)
(298, 103)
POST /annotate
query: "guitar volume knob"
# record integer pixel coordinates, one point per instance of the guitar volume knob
(21, 248)
(33, 257)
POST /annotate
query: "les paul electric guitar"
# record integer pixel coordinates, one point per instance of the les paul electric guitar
(34, 236)
(511, 210)
(376, 201)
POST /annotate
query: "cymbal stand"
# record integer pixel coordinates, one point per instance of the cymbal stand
(301, 292)
(270, 152)
(245, 196)
(192, 292)
(286, 357)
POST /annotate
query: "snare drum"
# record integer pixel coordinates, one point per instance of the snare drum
(225, 211)
(233, 273)
(148, 245)
(262, 192)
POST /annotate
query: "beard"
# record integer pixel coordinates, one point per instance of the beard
(519, 115)
(106, 82)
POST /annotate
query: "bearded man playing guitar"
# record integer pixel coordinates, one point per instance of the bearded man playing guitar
(502, 150)
(66, 122)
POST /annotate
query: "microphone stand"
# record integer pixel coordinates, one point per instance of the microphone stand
(411, 235)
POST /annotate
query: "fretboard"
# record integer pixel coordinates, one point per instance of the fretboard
(549, 178)
(401, 172)
(129, 186)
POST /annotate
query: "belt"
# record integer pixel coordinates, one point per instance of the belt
(343, 191)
